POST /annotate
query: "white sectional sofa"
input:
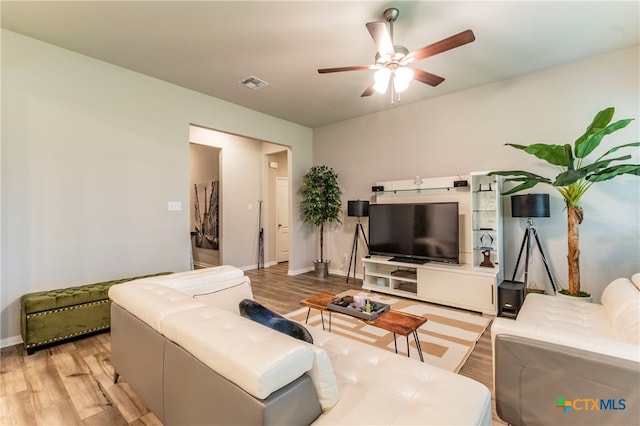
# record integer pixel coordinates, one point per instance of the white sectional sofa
(587, 354)
(181, 344)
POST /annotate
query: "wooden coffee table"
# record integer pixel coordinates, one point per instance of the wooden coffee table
(396, 322)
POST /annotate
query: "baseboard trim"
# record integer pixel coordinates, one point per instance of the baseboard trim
(203, 265)
(338, 272)
(11, 341)
(299, 271)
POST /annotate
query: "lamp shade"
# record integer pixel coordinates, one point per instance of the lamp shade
(358, 208)
(530, 205)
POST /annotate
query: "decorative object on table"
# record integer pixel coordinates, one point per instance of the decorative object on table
(530, 206)
(321, 204)
(358, 209)
(576, 177)
(350, 306)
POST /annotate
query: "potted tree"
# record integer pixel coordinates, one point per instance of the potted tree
(576, 176)
(321, 204)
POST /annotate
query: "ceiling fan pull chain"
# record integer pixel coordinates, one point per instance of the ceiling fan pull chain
(392, 91)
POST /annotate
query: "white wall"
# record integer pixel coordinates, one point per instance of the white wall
(466, 131)
(91, 154)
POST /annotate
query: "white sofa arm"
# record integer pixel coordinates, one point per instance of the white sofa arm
(150, 302)
(198, 277)
(256, 358)
(543, 333)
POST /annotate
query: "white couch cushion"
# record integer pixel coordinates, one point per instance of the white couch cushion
(195, 278)
(324, 378)
(581, 325)
(256, 358)
(381, 387)
(151, 302)
(621, 299)
(223, 294)
(563, 314)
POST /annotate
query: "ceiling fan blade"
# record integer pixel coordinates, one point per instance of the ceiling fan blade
(381, 38)
(426, 77)
(368, 91)
(448, 43)
(341, 69)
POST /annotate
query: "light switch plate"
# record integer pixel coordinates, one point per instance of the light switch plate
(175, 206)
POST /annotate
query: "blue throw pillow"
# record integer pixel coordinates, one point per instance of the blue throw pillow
(258, 313)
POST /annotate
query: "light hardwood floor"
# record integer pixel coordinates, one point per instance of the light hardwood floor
(72, 383)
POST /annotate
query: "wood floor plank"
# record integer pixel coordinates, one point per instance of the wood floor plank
(147, 420)
(101, 370)
(82, 388)
(17, 409)
(62, 414)
(108, 416)
(12, 379)
(45, 384)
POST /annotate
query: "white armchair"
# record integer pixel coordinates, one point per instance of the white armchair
(563, 361)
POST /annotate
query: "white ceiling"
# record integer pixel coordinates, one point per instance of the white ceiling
(209, 46)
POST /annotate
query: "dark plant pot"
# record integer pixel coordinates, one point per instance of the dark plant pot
(321, 268)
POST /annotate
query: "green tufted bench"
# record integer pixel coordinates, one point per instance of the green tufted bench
(53, 316)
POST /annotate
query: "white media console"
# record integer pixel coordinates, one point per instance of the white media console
(470, 285)
(460, 286)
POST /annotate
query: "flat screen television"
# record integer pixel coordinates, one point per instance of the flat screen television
(415, 232)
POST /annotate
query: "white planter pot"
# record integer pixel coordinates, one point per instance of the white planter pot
(575, 298)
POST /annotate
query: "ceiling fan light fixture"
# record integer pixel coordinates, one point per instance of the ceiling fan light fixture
(402, 78)
(381, 79)
(392, 60)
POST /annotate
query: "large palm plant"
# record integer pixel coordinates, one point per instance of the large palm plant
(576, 177)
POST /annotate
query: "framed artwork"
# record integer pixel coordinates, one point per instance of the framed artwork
(206, 215)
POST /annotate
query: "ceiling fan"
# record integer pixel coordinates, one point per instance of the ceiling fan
(392, 61)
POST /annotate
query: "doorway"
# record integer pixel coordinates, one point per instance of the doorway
(279, 200)
(248, 169)
(282, 218)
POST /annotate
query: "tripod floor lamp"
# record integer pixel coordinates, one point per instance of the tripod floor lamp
(530, 206)
(358, 209)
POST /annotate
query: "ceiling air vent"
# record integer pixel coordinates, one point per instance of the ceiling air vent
(253, 83)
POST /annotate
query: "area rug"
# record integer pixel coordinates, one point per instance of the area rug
(447, 338)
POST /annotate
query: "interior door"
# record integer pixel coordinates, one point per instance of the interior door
(282, 219)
